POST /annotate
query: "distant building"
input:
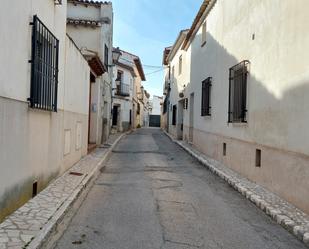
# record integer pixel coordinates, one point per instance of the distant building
(155, 105)
(129, 97)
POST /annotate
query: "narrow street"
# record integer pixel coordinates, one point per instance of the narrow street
(153, 195)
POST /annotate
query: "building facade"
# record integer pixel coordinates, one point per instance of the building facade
(44, 86)
(245, 91)
(90, 24)
(129, 96)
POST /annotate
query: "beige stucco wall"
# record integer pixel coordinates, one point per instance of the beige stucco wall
(32, 142)
(277, 99)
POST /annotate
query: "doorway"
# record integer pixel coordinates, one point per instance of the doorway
(115, 115)
(191, 118)
(180, 120)
(91, 115)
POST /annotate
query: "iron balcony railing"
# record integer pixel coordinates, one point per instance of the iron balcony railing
(123, 89)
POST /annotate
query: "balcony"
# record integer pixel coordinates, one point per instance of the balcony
(122, 89)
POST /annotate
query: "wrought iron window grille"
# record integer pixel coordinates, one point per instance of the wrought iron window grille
(44, 67)
(205, 103)
(238, 92)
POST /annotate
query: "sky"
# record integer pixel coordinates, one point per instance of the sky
(146, 27)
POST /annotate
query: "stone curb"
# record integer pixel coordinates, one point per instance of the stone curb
(48, 228)
(277, 215)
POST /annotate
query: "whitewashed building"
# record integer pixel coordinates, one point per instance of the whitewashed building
(155, 105)
(90, 24)
(44, 99)
(128, 93)
(245, 90)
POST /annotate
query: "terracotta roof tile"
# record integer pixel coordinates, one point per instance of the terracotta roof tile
(84, 22)
(90, 2)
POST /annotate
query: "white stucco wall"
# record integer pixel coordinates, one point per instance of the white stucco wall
(156, 105)
(32, 141)
(76, 90)
(273, 36)
(277, 99)
(94, 39)
(14, 23)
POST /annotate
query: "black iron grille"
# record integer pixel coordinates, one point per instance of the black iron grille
(205, 103)
(44, 68)
(238, 92)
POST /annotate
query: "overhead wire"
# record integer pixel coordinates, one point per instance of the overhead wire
(144, 65)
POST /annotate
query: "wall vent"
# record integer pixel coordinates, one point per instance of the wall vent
(34, 189)
(258, 155)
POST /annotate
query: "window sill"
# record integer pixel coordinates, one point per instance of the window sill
(238, 124)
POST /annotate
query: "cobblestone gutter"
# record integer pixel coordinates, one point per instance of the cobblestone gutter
(30, 225)
(285, 214)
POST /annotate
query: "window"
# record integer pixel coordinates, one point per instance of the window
(106, 57)
(119, 76)
(204, 30)
(180, 65)
(174, 115)
(138, 111)
(44, 67)
(238, 93)
(206, 87)
(224, 149)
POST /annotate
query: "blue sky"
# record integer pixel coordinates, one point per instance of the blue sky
(146, 27)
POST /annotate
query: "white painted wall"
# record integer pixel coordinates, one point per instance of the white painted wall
(33, 145)
(277, 85)
(277, 96)
(94, 39)
(156, 105)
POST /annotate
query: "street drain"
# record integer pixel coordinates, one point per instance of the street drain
(75, 173)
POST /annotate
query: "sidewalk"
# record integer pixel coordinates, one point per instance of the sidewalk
(31, 224)
(285, 214)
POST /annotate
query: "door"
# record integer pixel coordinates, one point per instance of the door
(191, 121)
(180, 120)
(115, 115)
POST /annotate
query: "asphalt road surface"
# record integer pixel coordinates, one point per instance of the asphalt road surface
(152, 194)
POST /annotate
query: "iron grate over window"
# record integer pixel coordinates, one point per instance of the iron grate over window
(205, 103)
(44, 67)
(238, 92)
